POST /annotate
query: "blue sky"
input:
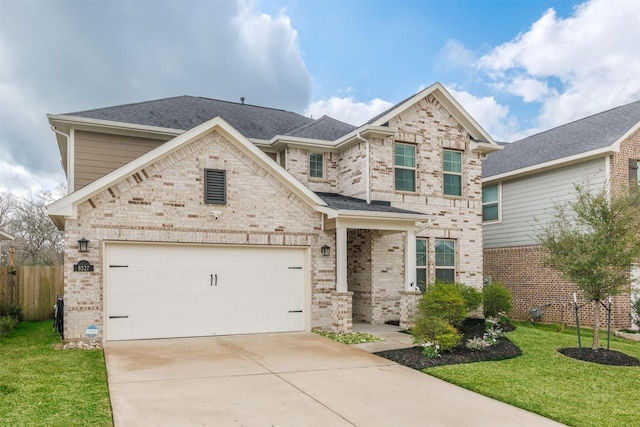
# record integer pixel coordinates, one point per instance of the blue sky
(519, 67)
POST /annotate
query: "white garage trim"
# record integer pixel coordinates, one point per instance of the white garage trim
(158, 290)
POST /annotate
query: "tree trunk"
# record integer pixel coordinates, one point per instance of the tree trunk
(596, 325)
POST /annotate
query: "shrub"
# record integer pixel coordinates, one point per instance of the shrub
(497, 298)
(472, 296)
(444, 301)
(14, 311)
(635, 310)
(437, 331)
(7, 324)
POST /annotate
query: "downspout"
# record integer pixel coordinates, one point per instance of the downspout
(366, 168)
(70, 176)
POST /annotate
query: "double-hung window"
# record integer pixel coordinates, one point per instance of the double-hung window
(491, 203)
(316, 165)
(452, 167)
(445, 260)
(421, 263)
(405, 167)
(634, 171)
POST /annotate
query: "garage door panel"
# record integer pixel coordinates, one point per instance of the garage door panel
(181, 290)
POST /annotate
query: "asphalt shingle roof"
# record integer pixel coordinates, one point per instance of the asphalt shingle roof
(346, 203)
(187, 112)
(584, 135)
(324, 128)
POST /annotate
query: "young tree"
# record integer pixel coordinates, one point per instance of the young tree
(593, 241)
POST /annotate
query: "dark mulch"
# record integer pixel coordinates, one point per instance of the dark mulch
(471, 328)
(601, 356)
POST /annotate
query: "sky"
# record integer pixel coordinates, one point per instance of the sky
(518, 67)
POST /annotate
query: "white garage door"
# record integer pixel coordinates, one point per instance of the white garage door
(166, 291)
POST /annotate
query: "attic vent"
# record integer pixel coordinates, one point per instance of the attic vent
(215, 186)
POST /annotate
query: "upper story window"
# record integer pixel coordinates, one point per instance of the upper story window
(316, 165)
(491, 203)
(405, 167)
(215, 186)
(446, 260)
(452, 167)
(421, 263)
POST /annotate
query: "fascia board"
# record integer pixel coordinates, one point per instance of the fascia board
(367, 215)
(364, 131)
(67, 205)
(280, 141)
(484, 147)
(62, 119)
(554, 164)
(437, 90)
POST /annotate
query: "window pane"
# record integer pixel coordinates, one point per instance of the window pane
(445, 275)
(490, 212)
(445, 253)
(421, 252)
(316, 169)
(453, 185)
(405, 155)
(490, 194)
(452, 161)
(405, 180)
(421, 278)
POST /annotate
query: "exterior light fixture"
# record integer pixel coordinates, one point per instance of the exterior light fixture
(83, 245)
(325, 250)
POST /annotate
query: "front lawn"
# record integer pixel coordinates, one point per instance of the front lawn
(42, 386)
(544, 381)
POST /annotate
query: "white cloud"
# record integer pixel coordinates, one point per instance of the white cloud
(455, 54)
(348, 110)
(491, 115)
(576, 66)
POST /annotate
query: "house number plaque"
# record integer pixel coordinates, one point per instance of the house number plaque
(83, 266)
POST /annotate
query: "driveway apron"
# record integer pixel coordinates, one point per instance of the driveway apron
(288, 379)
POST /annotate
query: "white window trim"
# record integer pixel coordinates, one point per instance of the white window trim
(324, 166)
(499, 220)
(460, 174)
(424, 267)
(414, 168)
(455, 259)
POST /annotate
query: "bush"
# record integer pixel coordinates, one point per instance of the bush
(14, 311)
(437, 331)
(7, 324)
(443, 301)
(497, 299)
(472, 296)
(635, 310)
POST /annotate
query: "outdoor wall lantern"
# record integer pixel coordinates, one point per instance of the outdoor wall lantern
(325, 250)
(83, 245)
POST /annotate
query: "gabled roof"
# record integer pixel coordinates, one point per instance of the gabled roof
(591, 136)
(325, 128)
(187, 112)
(66, 207)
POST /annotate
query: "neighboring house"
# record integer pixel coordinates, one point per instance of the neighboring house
(5, 236)
(522, 183)
(208, 217)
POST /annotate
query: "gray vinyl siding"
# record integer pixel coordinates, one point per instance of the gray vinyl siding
(98, 154)
(528, 203)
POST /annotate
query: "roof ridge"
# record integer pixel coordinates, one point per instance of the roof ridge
(248, 105)
(576, 121)
(129, 104)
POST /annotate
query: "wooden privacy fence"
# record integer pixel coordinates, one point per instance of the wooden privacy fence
(34, 287)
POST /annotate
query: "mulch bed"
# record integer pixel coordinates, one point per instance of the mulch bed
(471, 328)
(601, 356)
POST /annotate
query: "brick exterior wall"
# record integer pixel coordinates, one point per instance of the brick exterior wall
(164, 203)
(532, 284)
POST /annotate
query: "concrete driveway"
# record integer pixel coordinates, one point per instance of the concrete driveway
(292, 379)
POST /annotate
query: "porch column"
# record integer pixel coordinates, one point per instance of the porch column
(341, 259)
(410, 261)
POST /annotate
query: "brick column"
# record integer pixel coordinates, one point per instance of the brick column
(341, 312)
(408, 307)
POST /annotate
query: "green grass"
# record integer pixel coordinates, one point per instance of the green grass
(544, 381)
(41, 386)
